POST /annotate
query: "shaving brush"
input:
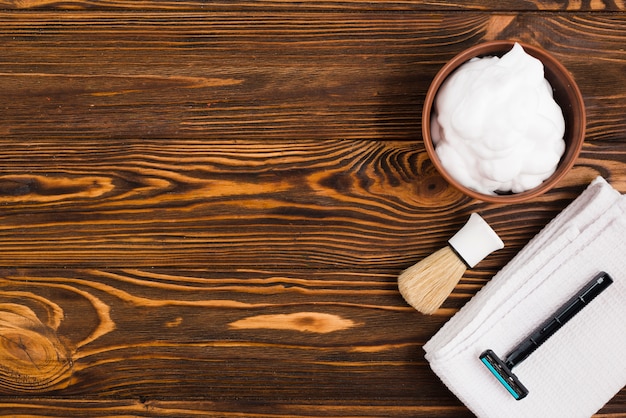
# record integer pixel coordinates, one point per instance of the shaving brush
(427, 284)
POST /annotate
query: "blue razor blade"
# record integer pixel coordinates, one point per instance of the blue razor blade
(504, 375)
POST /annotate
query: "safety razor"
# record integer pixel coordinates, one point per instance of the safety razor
(502, 369)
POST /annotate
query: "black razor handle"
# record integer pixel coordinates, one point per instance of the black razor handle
(566, 312)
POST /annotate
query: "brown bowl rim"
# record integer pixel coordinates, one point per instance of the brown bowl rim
(496, 48)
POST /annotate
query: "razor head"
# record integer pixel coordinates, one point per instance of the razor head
(504, 375)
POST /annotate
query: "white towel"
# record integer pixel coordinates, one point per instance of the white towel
(581, 367)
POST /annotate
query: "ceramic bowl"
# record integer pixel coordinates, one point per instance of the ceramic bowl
(566, 94)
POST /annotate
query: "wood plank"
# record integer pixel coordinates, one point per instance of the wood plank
(185, 341)
(80, 75)
(326, 5)
(325, 204)
(155, 408)
(203, 334)
(191, 408)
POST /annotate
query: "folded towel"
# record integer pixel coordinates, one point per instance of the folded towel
(583, 365)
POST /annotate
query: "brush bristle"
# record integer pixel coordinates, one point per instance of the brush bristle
(427, 284)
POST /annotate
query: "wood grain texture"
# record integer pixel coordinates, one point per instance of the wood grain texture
(205, 206)
(325, 204)
(294, 76)
(280, 6)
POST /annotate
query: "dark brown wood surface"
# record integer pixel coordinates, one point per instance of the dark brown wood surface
(205, 205)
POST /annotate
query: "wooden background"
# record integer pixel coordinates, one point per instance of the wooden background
(205, 204)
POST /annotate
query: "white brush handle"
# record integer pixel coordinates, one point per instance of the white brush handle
(475, 241)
